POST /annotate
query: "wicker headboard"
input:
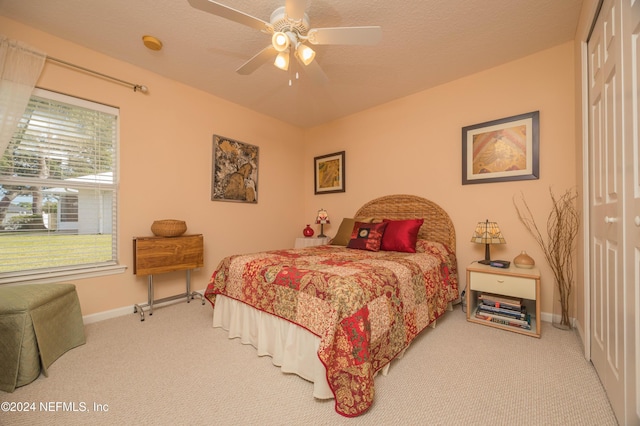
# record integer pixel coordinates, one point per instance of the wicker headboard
(437, 224)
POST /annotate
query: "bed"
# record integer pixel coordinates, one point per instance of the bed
(335, 314)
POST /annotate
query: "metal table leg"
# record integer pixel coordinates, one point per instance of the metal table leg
(151, 301)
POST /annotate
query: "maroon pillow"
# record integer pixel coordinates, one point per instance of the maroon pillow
(367, 236)
(401, 235)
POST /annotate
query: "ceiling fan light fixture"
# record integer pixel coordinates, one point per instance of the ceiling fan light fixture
(305, 53)
(280, 41)
(289, 28)
(282, 60)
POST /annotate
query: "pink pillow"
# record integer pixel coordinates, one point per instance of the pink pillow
(367, 236)
(401, 235)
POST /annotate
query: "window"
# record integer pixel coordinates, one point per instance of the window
(58, 191)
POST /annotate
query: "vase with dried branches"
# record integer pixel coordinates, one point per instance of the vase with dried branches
(558, 247)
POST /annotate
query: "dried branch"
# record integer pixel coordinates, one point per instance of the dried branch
(562, 229)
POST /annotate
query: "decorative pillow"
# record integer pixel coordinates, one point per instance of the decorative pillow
(401, 235)
(367, 236)
(345, 230)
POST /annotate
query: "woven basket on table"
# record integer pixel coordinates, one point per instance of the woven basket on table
(168, 228)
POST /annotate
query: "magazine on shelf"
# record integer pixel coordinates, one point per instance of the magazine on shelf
(511, 313)
(500, 301)
(526, 324)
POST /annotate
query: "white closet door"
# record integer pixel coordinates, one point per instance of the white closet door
(614, 199)
(606, 203)
(631, 53)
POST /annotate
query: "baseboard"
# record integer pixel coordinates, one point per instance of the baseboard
(113, 313)
(125, 310)
(578, 326)
(548, 317)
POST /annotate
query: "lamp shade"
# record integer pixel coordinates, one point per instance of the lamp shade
(282, 60)
(305, 53)
(323, 217)
(487, 233)
(280, 41)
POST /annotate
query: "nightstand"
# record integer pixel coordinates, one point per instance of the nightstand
(303, 242)
(510, 282)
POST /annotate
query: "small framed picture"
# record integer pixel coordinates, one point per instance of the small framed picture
(329, 173)
(502, 150)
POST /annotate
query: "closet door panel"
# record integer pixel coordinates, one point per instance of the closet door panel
(606, 206)
(631, 53)
(596, 198)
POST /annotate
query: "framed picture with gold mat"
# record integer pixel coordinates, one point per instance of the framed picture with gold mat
(328, 176)
(502, 150)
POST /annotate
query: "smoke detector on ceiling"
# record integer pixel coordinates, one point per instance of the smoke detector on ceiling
(152, 43)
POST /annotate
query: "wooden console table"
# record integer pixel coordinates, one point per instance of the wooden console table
(159, 255)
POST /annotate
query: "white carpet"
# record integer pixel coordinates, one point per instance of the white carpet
(174, 368)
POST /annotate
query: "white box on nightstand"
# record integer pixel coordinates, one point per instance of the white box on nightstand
(303, 242)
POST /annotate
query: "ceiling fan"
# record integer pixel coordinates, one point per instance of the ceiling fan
(290, 31)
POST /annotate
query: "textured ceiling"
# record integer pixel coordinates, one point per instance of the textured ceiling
(424, 43)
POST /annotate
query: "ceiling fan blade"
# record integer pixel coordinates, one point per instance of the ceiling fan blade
(257, 61)
(231, 14)
(315, 72)
(345, 35)
(295, 9)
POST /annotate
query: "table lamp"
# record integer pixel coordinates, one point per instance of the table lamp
(487, 233)
(322, 218)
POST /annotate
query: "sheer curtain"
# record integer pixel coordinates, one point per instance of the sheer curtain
(20, 67)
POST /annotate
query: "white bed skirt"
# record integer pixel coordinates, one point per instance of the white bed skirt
(291, 347)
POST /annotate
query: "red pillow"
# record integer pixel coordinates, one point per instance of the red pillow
(401, 235)
(367, 236)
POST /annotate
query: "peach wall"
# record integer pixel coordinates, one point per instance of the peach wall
(165, 167)
(413, 145)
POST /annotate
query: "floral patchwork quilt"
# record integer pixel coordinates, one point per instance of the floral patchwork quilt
(365, 306)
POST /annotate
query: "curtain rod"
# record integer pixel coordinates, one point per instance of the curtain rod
(136, 87)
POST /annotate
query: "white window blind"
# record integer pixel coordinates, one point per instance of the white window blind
(58, 190)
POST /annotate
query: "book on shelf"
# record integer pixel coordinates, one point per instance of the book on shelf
(500, 301)
(524, 324)
(511, 313)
